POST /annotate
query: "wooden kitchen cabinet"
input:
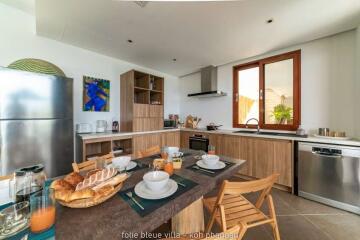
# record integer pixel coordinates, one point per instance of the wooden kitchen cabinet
(170, 139)
(145, 141)
(184, 139)
(263, 156)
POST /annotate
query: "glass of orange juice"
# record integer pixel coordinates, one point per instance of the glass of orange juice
(42, 205)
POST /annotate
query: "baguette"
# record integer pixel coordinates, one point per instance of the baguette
(103, 191)
(114, 181)
(81, 194)
(96, 179)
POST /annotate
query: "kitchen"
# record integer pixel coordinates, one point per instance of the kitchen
(319, 204)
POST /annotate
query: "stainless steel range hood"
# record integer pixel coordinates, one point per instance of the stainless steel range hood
(208, 84)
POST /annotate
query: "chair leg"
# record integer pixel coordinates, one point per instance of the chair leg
(211, 221)
(243, 229)
(274, 225)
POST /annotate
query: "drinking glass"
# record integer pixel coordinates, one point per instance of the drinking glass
(14, 219)
(42, 210)
(211, 150)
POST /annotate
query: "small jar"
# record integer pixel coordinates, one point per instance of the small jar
(169, 168)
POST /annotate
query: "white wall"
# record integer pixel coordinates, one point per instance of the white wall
(18, 40)
(327, 86)
(357, 83)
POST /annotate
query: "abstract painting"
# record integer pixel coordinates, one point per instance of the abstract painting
(96, 94)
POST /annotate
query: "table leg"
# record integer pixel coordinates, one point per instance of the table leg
(190, 219)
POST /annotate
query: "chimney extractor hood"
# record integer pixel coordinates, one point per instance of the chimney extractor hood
(208, 84)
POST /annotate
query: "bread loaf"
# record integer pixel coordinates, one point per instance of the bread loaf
(96, 178)
(103, 191)
(61, 184)
(114, 181)
(63, 195)
(74, 178)
(81, 194)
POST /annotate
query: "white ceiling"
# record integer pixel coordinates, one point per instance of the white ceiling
(197, 34)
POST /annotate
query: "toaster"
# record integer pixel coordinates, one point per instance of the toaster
(83, 128)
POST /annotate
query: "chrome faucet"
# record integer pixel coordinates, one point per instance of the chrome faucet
(258, 127)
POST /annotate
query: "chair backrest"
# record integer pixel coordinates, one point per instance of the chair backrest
(91, 164)
(236, 188)
(149, 152)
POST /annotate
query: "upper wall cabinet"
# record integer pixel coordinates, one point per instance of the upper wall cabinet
(141, 106)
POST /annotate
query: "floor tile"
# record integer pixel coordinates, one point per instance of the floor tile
(299, 228)
(339, 227)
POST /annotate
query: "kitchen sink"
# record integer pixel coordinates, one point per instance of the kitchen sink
(270, 133)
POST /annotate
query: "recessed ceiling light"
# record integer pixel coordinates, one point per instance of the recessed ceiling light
(130, 41)
(269, 20)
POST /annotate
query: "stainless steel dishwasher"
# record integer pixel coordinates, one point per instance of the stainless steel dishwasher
(330, 174)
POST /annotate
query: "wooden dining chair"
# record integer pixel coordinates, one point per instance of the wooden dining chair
(149, 152)
(231, 234)
(91, 164)
(230, 208)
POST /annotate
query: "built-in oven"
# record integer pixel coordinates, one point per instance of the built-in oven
(199, 142)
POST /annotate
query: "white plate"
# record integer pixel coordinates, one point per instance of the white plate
(334, 138)
(130, 166)
(142, 191)
(218, 165)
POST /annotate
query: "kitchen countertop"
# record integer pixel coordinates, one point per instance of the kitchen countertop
(88, 136)
(353, 142)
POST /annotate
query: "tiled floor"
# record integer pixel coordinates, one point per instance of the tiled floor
(301, 219)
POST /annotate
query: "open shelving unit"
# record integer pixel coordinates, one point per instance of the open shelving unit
(140, 91)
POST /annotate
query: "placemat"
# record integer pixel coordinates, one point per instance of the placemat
(151, 205)
(210, 172)
(48, 234)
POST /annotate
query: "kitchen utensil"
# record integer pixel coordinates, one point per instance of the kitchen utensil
(130, 195)
(115, 126)
(142, 191)
(217, 166)
(42, 206)
(200, 169)
(212, 127)
(101, 126)
(83, 128)
(14, 219)
(324, 131)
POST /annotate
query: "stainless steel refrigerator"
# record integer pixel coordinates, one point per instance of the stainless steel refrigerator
(36, 121)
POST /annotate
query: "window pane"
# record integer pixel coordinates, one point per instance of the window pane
(279, 92)
(248, 94)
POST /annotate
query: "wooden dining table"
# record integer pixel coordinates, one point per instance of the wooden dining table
(115, 219)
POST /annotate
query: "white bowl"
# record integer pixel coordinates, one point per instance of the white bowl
(210, 160)
(121, 162)
(156, 180)
(171, 150)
